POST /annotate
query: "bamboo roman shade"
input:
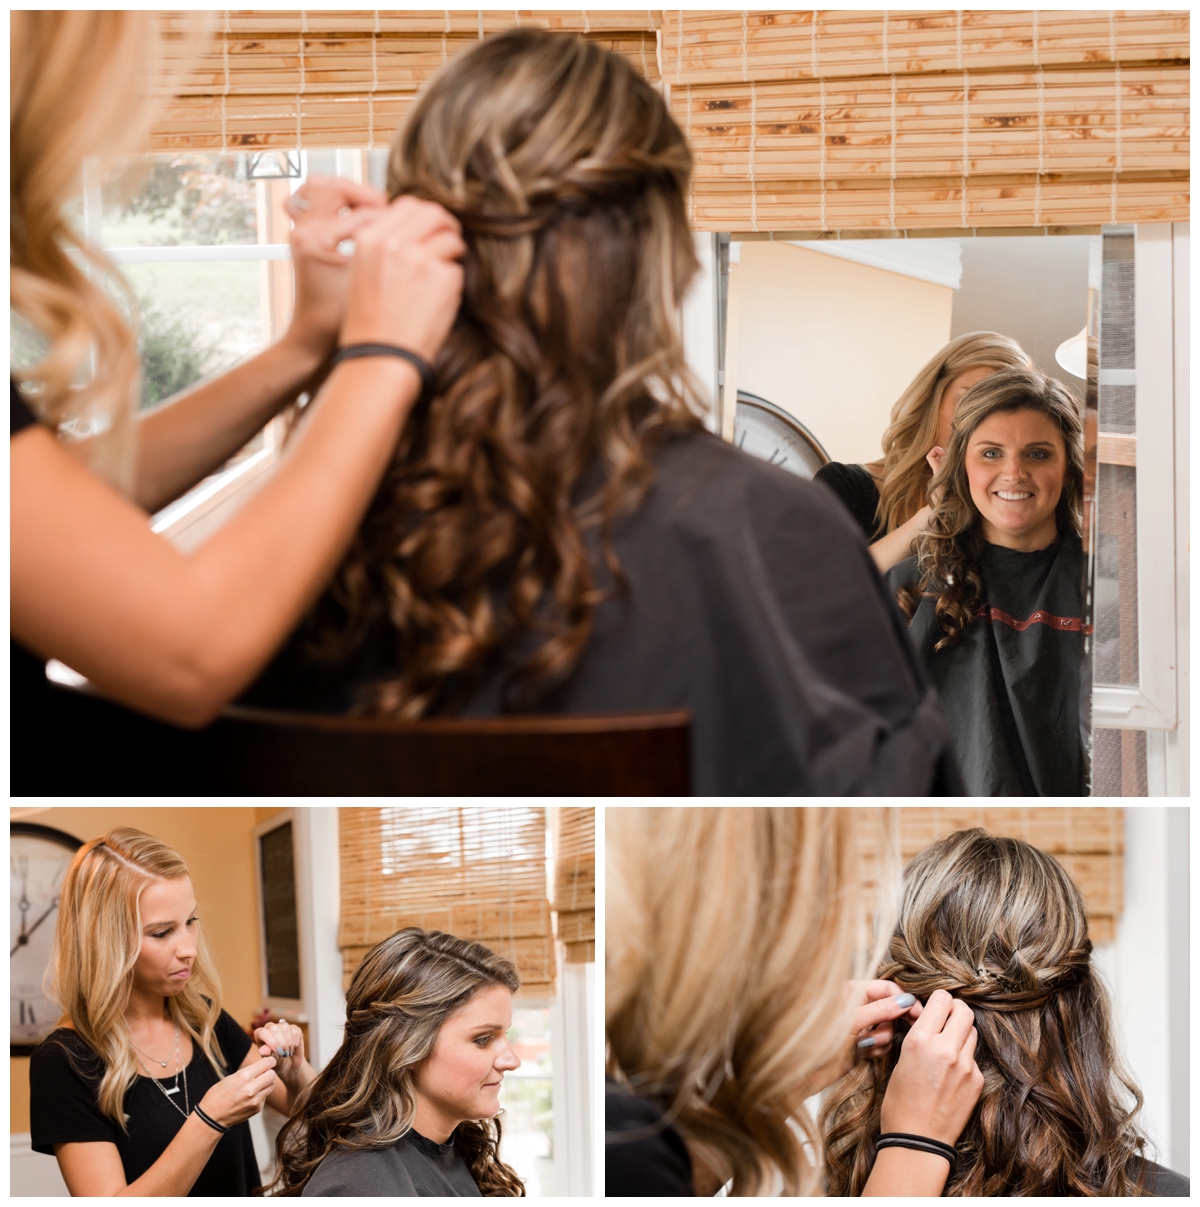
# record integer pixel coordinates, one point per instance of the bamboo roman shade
(1088, 842)
(575, 882)
(478, 873)
(821, 121)
(340, 78)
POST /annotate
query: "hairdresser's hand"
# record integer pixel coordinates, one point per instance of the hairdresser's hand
(936, 1082)
(936, 456)
(877, 1005)
(285, 1042)
(406, 280)
(240, 1095)
(326, 210)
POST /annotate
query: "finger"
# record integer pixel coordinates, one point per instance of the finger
(874, 990)
(259, 1067)
(936, 1012)
(324, 195)
(884, 1010)
(959, 1024)
(875, 1041)
(968, 1048)
(446, 245)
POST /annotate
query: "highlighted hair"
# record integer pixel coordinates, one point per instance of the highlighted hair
(1000, 925)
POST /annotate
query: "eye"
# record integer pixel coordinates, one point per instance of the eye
(1039, 454)
(482, 1041)
(162, 934)
(991, 453)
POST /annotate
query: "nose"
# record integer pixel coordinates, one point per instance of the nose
(507, 1059)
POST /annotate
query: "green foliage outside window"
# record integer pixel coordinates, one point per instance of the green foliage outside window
(175, 353)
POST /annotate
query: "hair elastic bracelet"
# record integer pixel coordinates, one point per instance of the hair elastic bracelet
(354, 351)
(921, 1143)
(210, 1120)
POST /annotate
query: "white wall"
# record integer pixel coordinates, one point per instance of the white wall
(832, 341)
(1147, 970)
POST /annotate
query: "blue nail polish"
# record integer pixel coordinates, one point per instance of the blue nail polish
(869, 1042)
(904, 1000)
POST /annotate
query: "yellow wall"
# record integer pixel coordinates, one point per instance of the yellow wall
(217, 844)
(832, 341)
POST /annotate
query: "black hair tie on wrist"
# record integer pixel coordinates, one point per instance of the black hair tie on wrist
(210, 1120)
(422, 366)
(920, 1143)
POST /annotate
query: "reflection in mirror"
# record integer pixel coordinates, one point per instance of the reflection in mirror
(863, 344)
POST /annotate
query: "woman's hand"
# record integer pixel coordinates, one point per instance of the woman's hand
(285, 1042)
(935, 457)
(936, 1083)
(240, 1095)
(877, 1005)
(325, 211)
(405, 279)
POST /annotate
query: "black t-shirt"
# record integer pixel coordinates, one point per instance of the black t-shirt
(64, 1075)
(643, 1155)
(855, 487)
(28, 689)
(1011, 687)
(753, 603)
(413, 1167)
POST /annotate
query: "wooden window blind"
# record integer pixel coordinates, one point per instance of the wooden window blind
(575, 882)
(869, 121)
(1088, 842)
(340, 78)
(478, 873)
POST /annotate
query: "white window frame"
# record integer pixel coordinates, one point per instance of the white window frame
(291, 1008)
(1160, 334)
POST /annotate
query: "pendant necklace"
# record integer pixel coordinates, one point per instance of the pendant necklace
(186, 1109)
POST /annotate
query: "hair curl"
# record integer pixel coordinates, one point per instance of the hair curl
(569, 178)
(950, 549)
(914, 422)
(999, 924)
(403, 991)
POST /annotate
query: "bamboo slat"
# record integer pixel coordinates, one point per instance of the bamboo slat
(1088, 842)
(574, 832)
(478, 873)
(707, 47)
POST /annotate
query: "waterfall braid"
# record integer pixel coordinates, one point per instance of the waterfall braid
(999, 924)
(914, 424)
(402, 992)
(949, 551)
(569, 178)
(97, 940)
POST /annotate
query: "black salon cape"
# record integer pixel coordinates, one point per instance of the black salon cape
(1010, 689)
(753, 603)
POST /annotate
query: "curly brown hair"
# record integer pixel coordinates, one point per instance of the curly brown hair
(999, 924)
(402, 992)
(569, 177)
(950, 549)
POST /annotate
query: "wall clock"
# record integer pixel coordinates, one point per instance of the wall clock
(38, 860)
(770, 433)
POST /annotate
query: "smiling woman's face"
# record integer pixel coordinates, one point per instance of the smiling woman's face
(1016, 465)
(461, 1077)
(169, 928)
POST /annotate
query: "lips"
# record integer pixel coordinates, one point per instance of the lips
(1013, 496)
(181, 975)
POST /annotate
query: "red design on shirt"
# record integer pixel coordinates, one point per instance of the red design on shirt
(1064, 624)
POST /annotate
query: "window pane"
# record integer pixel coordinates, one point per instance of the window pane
(178, 200)
(195, 320)
(525, 1095)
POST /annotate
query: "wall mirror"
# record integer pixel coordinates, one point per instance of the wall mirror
(819, 337)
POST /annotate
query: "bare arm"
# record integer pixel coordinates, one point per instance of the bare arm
(178, 635)
(188, 436)
(904, 1172)
(892, 549)
(95, 1168)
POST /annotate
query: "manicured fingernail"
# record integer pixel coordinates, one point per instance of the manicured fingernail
(904, 1000)
(869, 1042)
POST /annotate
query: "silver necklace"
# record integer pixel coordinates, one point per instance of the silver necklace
(186, 1109)
(170, 1056)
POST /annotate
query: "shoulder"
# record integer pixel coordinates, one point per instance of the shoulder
(376, 1171)
(643, 1154)
(1165, 1183)
(234, 1041)
(903, 574)
(65, 1049)
(836, 473)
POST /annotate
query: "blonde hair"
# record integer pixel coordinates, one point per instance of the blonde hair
(730, 935)
(96, 945)
(81, 84)
(913, 428)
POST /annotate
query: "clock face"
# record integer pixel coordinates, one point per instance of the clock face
(37, 863)
(771, 434)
